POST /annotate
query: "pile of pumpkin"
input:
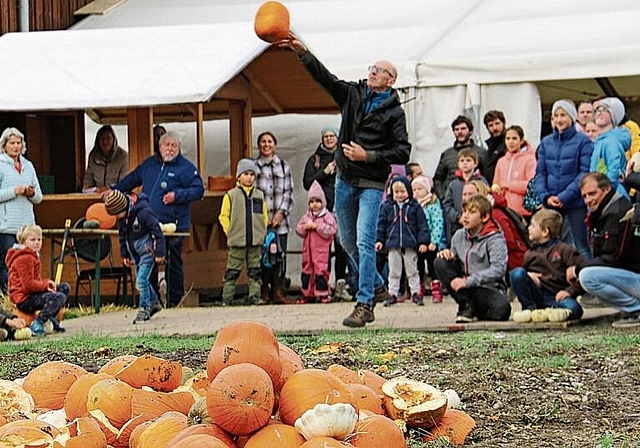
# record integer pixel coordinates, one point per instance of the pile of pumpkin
(255, 393)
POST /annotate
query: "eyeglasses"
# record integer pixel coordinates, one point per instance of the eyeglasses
(601, 110)
(329, 136)
(380, 70)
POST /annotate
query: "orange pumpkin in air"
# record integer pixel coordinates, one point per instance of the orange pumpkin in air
(271, 23)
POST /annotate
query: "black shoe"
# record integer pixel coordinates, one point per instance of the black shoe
(391, 300)
(56, 326)
(155, 308)
(142, 316)
(360, 316)
(465, 319)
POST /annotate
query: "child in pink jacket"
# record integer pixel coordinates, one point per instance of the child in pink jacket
(317, 227)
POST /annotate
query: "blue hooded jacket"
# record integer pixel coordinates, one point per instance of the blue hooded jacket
(609, 157)
(158, 178)
(402, 225)
(563, 159)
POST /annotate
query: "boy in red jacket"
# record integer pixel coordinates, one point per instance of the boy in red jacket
(27, 289)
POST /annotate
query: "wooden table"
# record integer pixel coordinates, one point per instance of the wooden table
(97, 234)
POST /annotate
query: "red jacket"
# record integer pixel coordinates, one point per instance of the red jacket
(24, 274)
(516, 247)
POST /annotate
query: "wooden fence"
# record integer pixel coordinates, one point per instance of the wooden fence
(44, 15)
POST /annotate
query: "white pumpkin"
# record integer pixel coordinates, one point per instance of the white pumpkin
(453, 399)
(558, 314)
(539, 315)
(331, 420)
(522, 317)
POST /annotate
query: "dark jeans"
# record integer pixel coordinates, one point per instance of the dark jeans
(175, 281)
(429, 257)
(483, 302)
(340, 263)
(49, 303)
(532, 296)
(7, 241)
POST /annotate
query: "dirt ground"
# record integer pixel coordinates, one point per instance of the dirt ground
(514, 404)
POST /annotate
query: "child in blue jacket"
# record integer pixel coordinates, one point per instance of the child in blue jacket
(403, 232)
(142, 241)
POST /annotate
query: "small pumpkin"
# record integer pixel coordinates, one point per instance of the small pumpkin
(276, 435)
(49, 383)
(522, 317)
(271, 22)
(558, 314)
(540, 315)
(370, 431)
(307, 388)
(245, 342)
(331, 420)
(241, 399)
(455, 426)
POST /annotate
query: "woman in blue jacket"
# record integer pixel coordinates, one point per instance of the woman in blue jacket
(563, 158)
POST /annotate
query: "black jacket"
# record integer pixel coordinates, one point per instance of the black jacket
(495, 149)
(612, 240)
(382, 133)
(448, 165)
(314, 170)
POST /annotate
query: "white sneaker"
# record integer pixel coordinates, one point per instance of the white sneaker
(340, 293)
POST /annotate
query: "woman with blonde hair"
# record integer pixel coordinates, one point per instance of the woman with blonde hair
(19, 191)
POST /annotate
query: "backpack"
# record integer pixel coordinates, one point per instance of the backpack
(272, 252)
(520, 224)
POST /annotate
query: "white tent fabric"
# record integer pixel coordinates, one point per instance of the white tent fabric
(121, 67)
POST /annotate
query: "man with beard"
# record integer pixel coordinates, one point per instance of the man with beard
(462, 128)
(495, 123)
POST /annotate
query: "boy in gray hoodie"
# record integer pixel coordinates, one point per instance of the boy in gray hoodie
(474, 268)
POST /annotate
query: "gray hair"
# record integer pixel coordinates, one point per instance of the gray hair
(171, 135)
(7, 133)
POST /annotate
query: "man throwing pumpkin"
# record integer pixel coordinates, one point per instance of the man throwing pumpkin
(372, 137)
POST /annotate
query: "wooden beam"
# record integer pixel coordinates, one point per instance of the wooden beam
(140, 131)
(98, 7)
(263, 91)
(80, 148)
(239, 132)
(200, 138)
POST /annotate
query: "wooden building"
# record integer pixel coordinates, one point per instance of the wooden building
(140, 77)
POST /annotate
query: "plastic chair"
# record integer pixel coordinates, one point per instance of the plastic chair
(84, 249)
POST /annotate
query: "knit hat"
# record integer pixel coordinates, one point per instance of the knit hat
(316, 192)
(425, 183)
(615, 108)
(329, 129)
(116, 202)
(246, 165)
(568, 106)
